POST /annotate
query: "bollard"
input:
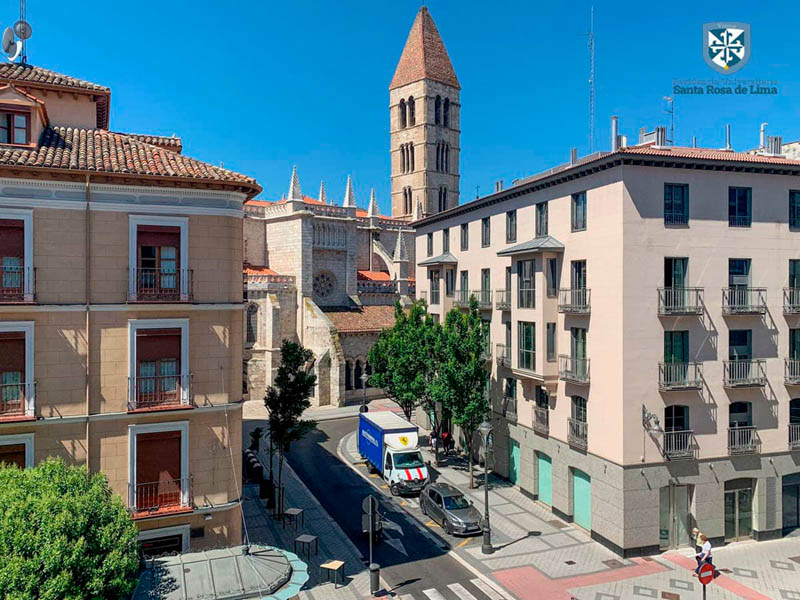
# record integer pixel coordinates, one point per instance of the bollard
(374, 578)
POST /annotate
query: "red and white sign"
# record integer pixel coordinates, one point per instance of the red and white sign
(706, 574)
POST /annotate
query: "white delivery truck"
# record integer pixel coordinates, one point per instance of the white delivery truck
(389, 444)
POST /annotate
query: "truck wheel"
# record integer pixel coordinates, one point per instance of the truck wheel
(394, 489)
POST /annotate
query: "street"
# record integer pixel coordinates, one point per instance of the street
(412, 560)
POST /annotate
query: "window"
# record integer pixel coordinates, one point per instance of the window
(464, 282)
(446, 239)
(579, 409)
(578, 343)
(486, 279)
(676, 204)
(442, 199)
(508, 337)
(437, 111)
(740, 344)
(446, 112)
(411, 154)
(794, 209)
(527, 346)
(578, 279)
(676, 347)
(542, 397)
(412, 111)
(794, 411)
(551, 342)
(446, 168)
(739, 273)
(16, 369)
(158, 471)
(794, 273)
(511, 226)
(486, 234)
(158, 372)
(794, 344)
(675, 270)
(526, 284)
(552, 277)
(12, 257)
(252, 323)
(739, 206)
(740, 414)
(449, 281)
(407, 202)
(508, 282)
(401, 113)
(14, 128)
(579, 211)
(430, 244)
(465, 236)
(541, 219)
(348, 375)
(17, 450)
(510, 395)
(159, 248)
(676, 418)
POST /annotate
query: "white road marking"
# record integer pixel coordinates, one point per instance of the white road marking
(461, 592)
(433, 594)
(486, 589)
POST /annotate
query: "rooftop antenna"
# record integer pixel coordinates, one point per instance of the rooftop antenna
(591, 81)
(670, 110)
(23, 30)
(14, 40)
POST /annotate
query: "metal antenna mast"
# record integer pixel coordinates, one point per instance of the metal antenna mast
(591, 82)
(670, 110)
(24, 40)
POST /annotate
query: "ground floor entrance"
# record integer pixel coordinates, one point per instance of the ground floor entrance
(675, 523)
(513, 462)
(582, 499)
(738, 509)
(791, 503)
(545, 478)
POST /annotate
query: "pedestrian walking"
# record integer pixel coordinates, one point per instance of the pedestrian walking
(704, 556)
(446, 442)
(433, 441)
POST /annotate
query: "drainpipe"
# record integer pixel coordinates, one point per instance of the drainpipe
(87, 297)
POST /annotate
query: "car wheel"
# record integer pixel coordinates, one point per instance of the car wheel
(422, 507)
(448, 529)
(394, 489)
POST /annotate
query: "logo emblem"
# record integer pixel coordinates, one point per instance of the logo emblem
(726, 46)
(404, 440)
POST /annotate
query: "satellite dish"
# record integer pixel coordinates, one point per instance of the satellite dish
(9, 42)
(23, 29)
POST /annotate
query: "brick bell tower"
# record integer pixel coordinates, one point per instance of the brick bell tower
(424, 124)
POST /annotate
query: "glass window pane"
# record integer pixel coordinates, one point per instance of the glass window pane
(20, 136)
(20, 121)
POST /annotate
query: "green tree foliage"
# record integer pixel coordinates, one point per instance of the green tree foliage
(289, 398)
(460, 385)
(64, 535)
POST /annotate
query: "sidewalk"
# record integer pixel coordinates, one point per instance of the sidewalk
(333, 543)
(539, 556)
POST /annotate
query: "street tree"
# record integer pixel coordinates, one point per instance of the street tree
(288, 398)
(460, 385)
(64, 535)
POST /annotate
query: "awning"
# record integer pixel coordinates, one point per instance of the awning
(442, 259)
(544, 243)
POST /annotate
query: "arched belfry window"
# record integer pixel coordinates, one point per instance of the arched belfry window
(446, 112)
(411, 151)
(412, 111)
(401, 114)
(437, 111)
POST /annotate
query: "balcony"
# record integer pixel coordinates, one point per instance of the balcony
(744, 301)
(161, 285)
(503, 353)
(461, 299)
(578, 433)
(791, 371)
(486, 354)
(744, 373)
(435, 296)
(680, 301)
(794, 436)
(17, 285)
(791, 301)
(484, 298)
(575, 301)
(742, 440)
(16, 401)
(502, 299)
(680, 376)
(678, 444)
(541, 420)
(527, 298)
(168, 495)
(574, 370)
(163, 392)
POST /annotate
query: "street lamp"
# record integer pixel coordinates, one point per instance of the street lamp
(485, 429)
(364, 377)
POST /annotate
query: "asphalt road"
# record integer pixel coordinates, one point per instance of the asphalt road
(411, 559)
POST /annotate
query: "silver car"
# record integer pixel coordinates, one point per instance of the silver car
(447, 506)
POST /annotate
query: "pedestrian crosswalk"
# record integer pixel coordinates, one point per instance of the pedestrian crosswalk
(474, 589)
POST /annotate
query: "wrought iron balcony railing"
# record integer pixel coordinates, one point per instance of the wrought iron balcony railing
(484, 298)
(680, 301)
(503, 354)
(576, 301)
(526, 298)
(461, 299)
(573, 369)
(744, 373)
(16, 399)
(17, 284)
(541, 420)
(791, 301)
(159, 392)
(742, 440)
(158, 495)
(502, 299)
(794, 436)
(578, 433)
(161, 285)
(744, 301)
(678, 444)
(680, 376)
(791, 371)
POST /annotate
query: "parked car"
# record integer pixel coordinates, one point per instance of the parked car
(447, 506)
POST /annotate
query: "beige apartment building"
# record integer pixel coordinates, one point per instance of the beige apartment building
(121, 318)
(644, 309)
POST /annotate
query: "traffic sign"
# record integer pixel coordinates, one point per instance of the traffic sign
(706, 574)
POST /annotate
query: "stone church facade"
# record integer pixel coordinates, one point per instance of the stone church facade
(328, 275)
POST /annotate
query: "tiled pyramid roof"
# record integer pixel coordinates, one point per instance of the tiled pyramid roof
(424, 56)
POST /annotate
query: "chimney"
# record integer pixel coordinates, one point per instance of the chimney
(761, 139)
(774, 145)
(573, 156)
(498, 186)
(728, 137)
(642, 132)
(694, 141)
(661, 137)
(623, 141)
(614, 133)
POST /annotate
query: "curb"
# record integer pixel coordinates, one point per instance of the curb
(482, 576)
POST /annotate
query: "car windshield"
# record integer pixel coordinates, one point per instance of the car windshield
(408, 460)
(455, 502)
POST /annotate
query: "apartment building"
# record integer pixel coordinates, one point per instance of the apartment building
(644, 309)
(121, 308)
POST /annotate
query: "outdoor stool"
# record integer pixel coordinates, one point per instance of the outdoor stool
(305, 542)
(293, 514)
(336, 567)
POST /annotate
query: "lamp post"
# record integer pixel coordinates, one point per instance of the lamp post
(485, 429)
(364, 378)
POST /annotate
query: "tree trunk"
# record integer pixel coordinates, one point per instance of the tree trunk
(468, 444)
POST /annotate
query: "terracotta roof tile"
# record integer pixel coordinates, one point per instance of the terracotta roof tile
(374, 276)
(367, 319)
(424, 55)
(257, 270)
(707, 153)
(102, 151)
(162, 141)
(23, 72)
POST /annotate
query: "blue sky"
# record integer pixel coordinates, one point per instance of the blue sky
(261, 86)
